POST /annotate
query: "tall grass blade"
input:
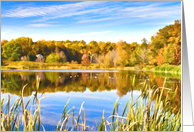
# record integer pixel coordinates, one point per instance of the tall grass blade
(125, 107)
(28, 102)
(114, 110)
(64, 110)
(58, 125)
(101, 127)
(80, 112)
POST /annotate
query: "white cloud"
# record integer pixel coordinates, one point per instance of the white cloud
(98, 20)
(152, 11)
(148, 11)
(73, 13)
(52, 11)
(41, 25)
(97, 16)
(77, 95)
(109, 12)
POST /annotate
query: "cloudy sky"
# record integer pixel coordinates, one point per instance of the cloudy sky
(86, 20)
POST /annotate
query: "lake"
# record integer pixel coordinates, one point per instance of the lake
(98, 89)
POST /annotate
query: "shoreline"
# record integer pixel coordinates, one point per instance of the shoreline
(86, 69)
(41, 66)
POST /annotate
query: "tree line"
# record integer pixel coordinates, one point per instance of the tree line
(164, 48)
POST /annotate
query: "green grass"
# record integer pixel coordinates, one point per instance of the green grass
(168, 69)
(135, 116)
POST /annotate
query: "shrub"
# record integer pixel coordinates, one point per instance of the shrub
(53, 57)
(74, 62)
(31, 56)
(168, 68)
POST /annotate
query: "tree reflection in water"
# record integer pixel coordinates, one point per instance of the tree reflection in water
(12, 82)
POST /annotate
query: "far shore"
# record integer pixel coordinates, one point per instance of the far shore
(30, 66)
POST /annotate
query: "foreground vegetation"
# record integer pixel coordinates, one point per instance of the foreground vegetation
(136, 116)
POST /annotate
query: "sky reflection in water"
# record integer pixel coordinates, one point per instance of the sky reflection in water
(99, 90)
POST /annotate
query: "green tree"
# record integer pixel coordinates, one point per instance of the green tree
(144, 43)
(31, 56)
(82, 46)
(40, 47)
(169, 54)
(26, 44)
(53, 57)
(3, 42)
(133, 59)
(12, 51)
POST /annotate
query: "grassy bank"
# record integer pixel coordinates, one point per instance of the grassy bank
(168, 69)
(7, 65)
(137, 115)
(37, 65)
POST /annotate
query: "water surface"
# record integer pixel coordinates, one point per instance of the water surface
(98, 88)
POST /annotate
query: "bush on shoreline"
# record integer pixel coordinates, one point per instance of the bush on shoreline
(168, 68)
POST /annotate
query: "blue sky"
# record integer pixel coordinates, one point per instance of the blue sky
(86, 20)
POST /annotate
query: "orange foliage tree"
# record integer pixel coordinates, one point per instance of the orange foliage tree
(160, 57)
(170, 54)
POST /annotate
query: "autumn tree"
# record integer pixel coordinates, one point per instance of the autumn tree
(123, 53)
(26, 44)
(82, 46)
(170, 54)
(101, 60)
(177, 56)
(85, 59)
(93, 49)
(175, 33)
(143, 55)
(169, 35)
(62, 56)
(111, 58)
(160, 57)
(102, 46)
(56, 50)
(40, 47)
